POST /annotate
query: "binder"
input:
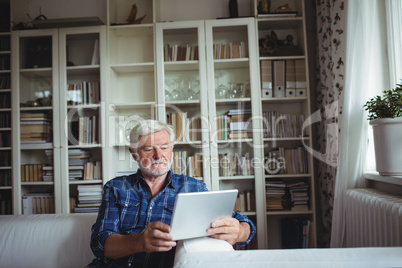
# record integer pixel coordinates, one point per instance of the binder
(279, 78)
(266, 74)
(300, 68)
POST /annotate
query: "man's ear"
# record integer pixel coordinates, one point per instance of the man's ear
(134, 154)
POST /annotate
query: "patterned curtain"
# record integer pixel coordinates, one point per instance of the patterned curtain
(330, 57)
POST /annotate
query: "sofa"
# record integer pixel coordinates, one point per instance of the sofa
(62, 240)
(46, 240)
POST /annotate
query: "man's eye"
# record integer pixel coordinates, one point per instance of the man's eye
(148, 150)
(164, 148)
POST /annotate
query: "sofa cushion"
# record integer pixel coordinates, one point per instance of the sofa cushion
(46, 240)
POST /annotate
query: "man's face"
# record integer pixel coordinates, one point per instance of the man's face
(155, 154)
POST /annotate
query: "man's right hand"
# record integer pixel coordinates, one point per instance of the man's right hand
(156, 237)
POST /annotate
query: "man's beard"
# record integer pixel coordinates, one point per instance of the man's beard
(146, 169)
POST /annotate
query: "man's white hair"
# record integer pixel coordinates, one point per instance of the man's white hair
(146, 127)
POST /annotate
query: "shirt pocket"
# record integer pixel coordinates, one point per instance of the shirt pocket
(168, 213)
(129, 210)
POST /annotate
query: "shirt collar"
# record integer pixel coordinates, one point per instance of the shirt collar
(169, 182)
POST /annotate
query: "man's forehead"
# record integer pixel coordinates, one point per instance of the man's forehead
(160, 137)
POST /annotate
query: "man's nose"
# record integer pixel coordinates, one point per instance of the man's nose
(157, 152)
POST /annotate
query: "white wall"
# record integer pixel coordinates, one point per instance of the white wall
(199, 9)
(57, 9)
(167, 10)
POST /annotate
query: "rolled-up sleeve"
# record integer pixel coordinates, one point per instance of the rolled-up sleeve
(243, 218)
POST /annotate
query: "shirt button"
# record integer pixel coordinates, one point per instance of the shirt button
(150, 208)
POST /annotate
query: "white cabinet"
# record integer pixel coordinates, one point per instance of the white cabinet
(225, 84)
(58, 115)
(285, 106)
(5, 113)
(182, 94)
(233, 105)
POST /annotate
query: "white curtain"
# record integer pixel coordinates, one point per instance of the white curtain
(366, 75)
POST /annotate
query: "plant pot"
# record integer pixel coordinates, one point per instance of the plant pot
(388, 145)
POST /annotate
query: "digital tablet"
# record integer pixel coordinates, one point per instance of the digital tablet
(194, 212)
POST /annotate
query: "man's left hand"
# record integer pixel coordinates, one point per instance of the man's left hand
(230, 230)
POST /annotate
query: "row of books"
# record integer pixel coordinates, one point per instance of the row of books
(235, 165)
(88, 171)
(287, 161)
(5, 139)
(186, 129)
(230, 51)
(5, 178)
(4, 62)
(5, 204)
(5, 43)
(187, 165)
(180, 52)
(292, 195)
(38, 203)
(5, 82)
(278, 125)
(89, 198)
(236, 124)
(5, 100)
(84, 131)
(295, 233)
(5, 120)
(35, 127)
(32, 172)
(283, 78)
(85, 92)
(245, 201)
(5, 158)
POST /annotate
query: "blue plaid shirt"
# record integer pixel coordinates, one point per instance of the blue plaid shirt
(128, 206)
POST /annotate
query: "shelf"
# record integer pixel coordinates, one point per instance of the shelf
(85, 181)
(182, 103)
(231, 63)
(84, 106)
(131, 106)
(5, 168)
(131, 29)
(133, 67)
(288, 212)
(84, 146)
(37, 72)
(37, 183)
(234, 141)
(83, 70)
(300, 57)
(229, 101)
(278, 23)
(38, 108)
(278, 176)
(38, 146)
(181, 65)
(237, 178)
(285, 100)
(286, 139)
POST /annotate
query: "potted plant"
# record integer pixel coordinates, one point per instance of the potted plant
(385, 115)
